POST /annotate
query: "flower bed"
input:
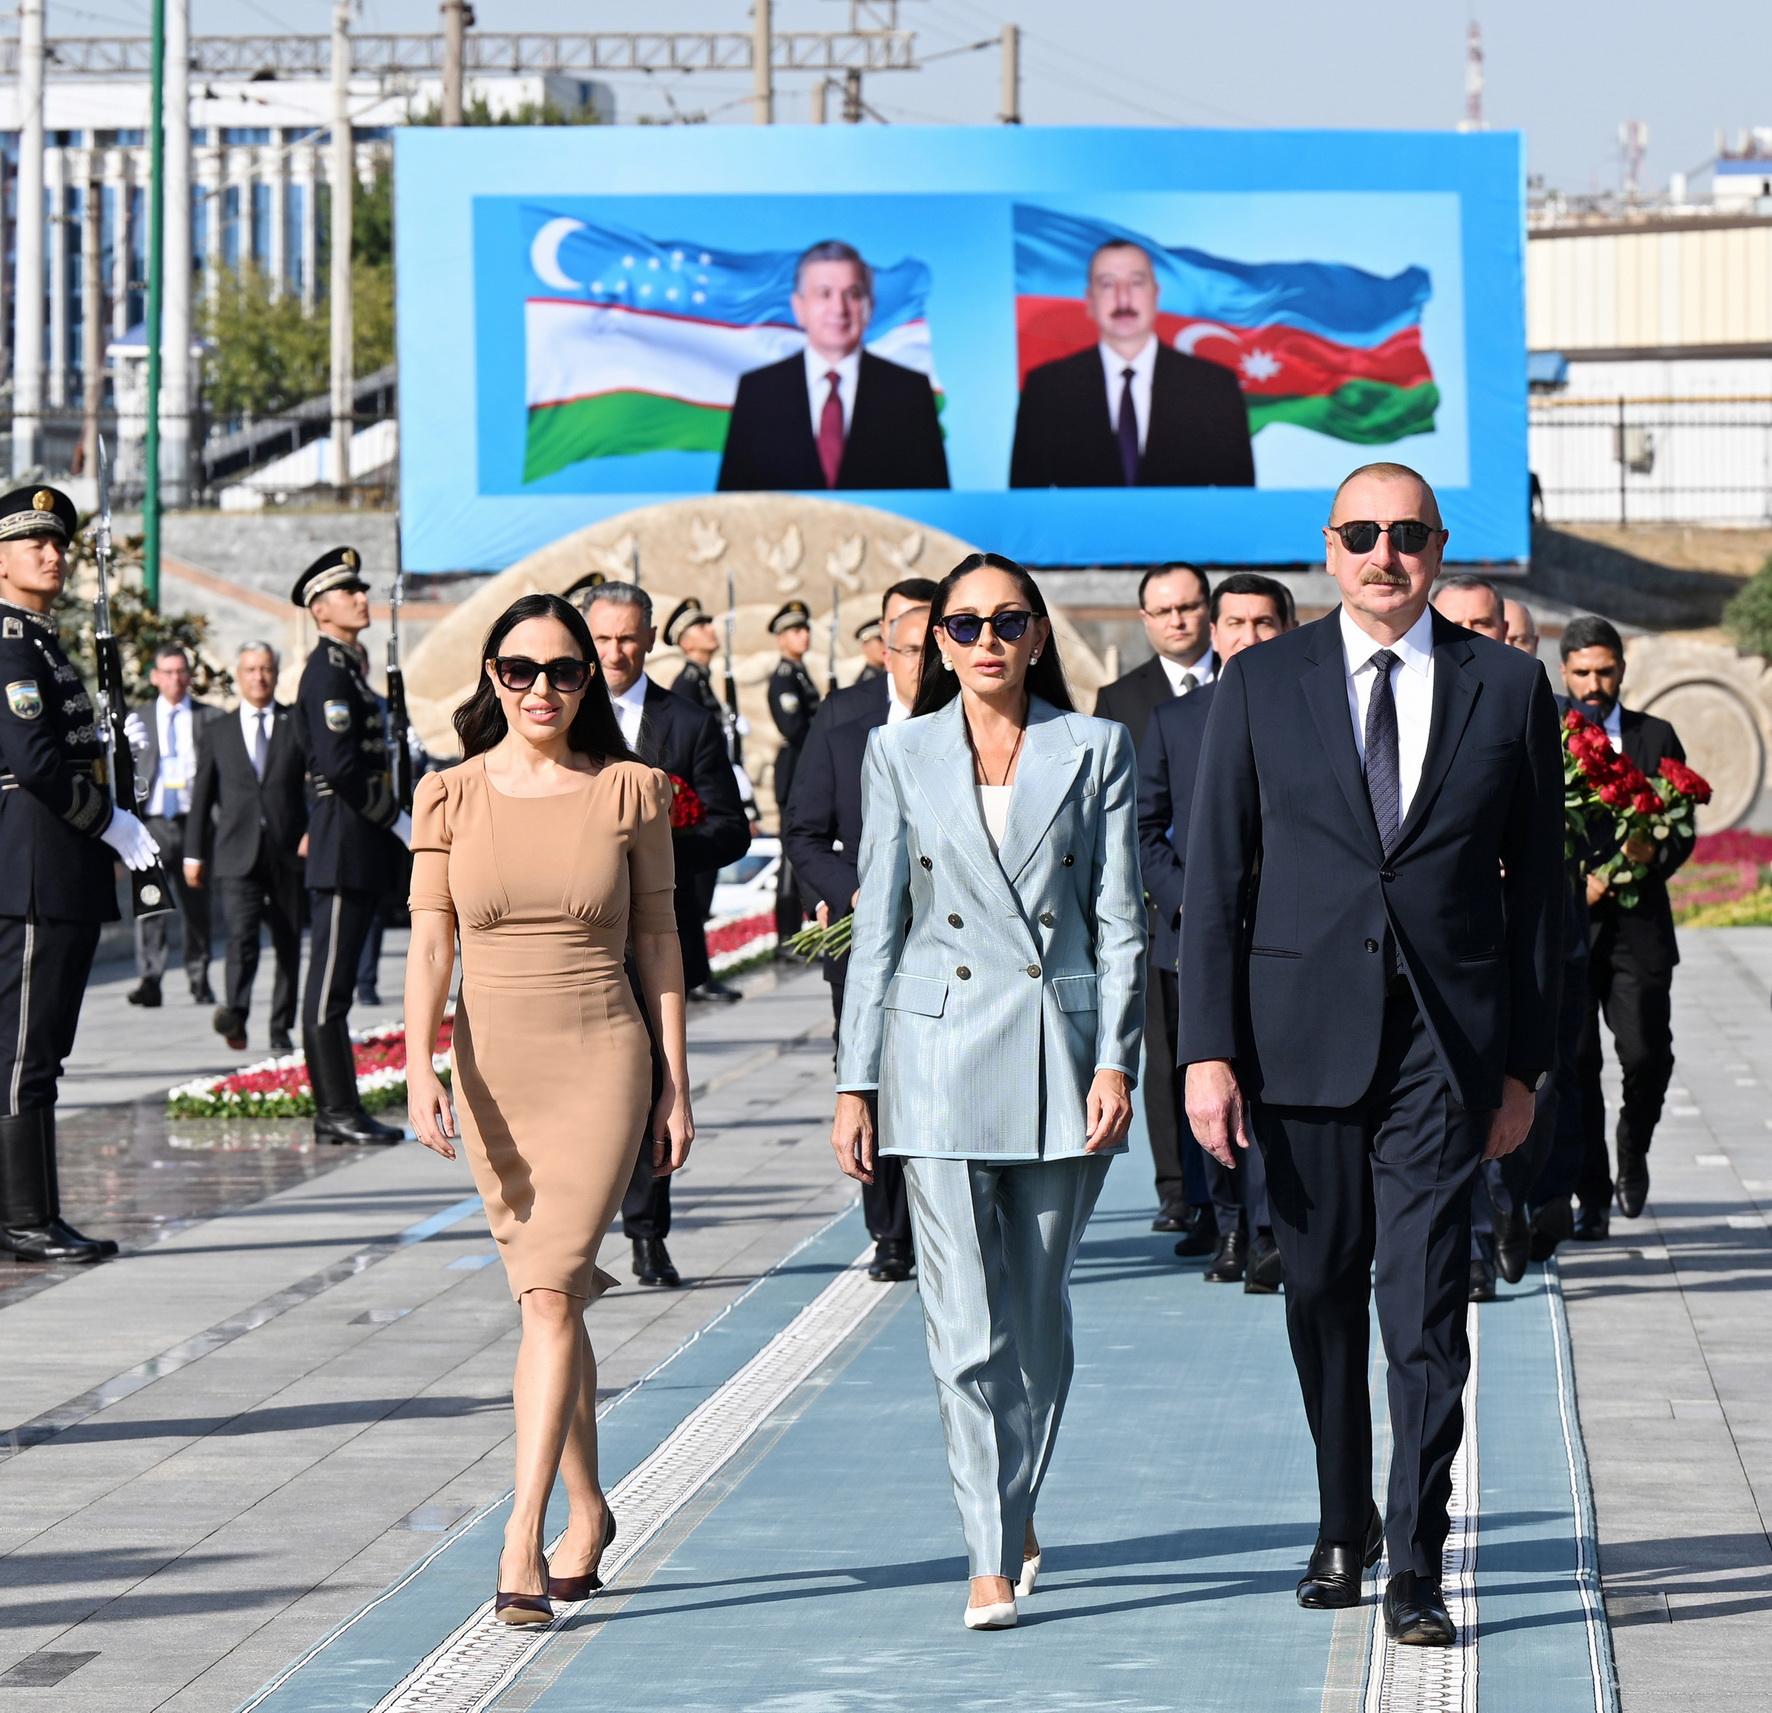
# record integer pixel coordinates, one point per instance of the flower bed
(740, 941)
(1718, 884)
(279, 1088)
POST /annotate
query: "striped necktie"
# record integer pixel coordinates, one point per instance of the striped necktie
(1383, 771)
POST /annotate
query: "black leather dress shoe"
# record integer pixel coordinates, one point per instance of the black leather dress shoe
(1513, 1245)
(1199, 1234)
(1265, 1272)
(1171, 1216)
(1228, 1264)
(202, 994)
(1592, 1225)
(1482, 1278)
(1332, 1578)
(1415, 1614)
(715, 989)
(347, 1127)
(1552, 1224)
(891, 1264)
(145, 993)
(1632, 1188)
(280, 1041)
(231, 1026)
(51, 1242)
(652, 1263)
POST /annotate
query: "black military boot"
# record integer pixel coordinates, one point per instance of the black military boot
(333, 1074)
(107, 1246)
(29, 1228)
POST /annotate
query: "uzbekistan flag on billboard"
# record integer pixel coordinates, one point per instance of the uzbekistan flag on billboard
(1319, 344)
(635, 343)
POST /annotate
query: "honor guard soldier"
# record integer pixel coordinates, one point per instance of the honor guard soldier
(793, 700)
(873, 651)
(355, 834)
(690, 628)
(58, 832)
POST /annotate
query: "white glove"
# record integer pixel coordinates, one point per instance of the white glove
(135, 731)
(415, 745)
(402, 829)
(131, 841)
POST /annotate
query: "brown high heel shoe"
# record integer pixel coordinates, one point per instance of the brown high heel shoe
(523, 1608)
(574, 1588)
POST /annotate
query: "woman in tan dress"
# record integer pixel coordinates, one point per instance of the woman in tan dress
(548, 848)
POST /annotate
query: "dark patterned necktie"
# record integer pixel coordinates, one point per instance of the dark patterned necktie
(1126, 429)
(261, 744)
(830, 430)
(1383, 773)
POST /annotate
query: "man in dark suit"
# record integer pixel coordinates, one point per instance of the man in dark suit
(1371, 930)
(1246, 609)
(164, 734)
(833, 415)
(821, 833)
(1174, 601)
(248, 839)
(1631, 953)
(868, 698)
(1130, 411)
(668, 732)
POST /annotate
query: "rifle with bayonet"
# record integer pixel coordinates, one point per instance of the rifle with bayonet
(734, 745)
(149, 893)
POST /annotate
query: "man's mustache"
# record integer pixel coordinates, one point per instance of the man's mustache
(1376, 576)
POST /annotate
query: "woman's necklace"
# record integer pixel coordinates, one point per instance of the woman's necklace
(984, 777)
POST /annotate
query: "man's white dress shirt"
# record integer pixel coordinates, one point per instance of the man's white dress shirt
(1144, 368)
(630, 706)
(1202, 672)
(895, 709)
(1412, 686)
(818, 387)
(250, 718)
(174, 732)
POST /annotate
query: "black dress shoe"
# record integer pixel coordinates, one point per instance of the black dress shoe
(1552, 1224)
(652, 1262)
(1228, 1264)
(1415, 1614)
(1592, 1225)
(368, 996)
(713, 988)
(346, 1127)
(145, 993)
(1199, 1233)
(1332, 1578)
(231, 1026)
(1632, 1188)
(1171, 1216)
(1482, 1278)
(202, 993)
(280, 1041)
(51, 1242)
(1265, 1272)
(1513, 1245)
(891, 1264)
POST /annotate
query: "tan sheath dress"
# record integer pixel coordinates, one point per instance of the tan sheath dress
(553, 1071)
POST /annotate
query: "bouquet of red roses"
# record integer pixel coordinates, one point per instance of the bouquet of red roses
(1600, 785)
(687, 808)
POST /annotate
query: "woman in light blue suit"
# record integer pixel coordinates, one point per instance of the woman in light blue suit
(991, 1019)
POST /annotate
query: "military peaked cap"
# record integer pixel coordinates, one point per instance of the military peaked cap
(795, 615)
(685, 616)
(867, 632)
(36, 511)
(336, 568)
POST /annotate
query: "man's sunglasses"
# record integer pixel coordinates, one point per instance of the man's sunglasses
(1409, 536)
(568, 674)
(967, 628)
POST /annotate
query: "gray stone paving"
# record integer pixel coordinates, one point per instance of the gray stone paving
(1669, 1327)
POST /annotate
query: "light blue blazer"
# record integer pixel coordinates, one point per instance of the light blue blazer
(985, 989)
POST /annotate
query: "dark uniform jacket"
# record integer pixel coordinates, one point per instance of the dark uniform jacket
(339, 722)
(793, 700)
(1168, 765)
(53, 800)
(696, 684)
(250, 816)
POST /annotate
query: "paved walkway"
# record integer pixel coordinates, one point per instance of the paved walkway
(261, 1462)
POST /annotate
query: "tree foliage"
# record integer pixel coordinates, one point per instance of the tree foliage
(1748, 616)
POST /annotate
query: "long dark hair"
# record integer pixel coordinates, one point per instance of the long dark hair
(1045, 677)
(480, 721)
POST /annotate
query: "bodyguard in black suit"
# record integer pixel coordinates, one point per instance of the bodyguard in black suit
(821, 834)
(1175, 604)
(1246, 609)
(249, 821)
(833, 415)
(668, 732)
(1130, 412)
(1371, 931)
(1631, 953)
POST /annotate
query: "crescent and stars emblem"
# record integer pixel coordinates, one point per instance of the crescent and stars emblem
(1253, 365)
(544, 252)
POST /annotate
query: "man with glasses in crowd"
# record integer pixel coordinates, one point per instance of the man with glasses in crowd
(1174, 601)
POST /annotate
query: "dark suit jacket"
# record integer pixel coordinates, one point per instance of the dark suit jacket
(683, 739)
(1644, 937)
(1168, 765)
(1198, 436)
(147, 764)
(1133, 697)
(867, 700)
(894, 436)
(1297, 1000)
(250, 816)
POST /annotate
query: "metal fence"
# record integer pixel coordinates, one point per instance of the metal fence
(1653, 460)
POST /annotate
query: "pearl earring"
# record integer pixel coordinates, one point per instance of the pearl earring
(1036, 660)
(946, 664)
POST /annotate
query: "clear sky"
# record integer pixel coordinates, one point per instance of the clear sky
(1566, 72)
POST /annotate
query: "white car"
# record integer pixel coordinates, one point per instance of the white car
(747, 887)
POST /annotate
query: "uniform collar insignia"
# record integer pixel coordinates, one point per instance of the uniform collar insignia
(41, 620)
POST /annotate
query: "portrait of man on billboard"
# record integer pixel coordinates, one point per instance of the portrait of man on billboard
(833, 415)
(1130, 411)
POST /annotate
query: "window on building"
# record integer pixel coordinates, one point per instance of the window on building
(261, 226)
(138, 255)
(295, 205)
(246, 134)
(371, 133)
(231, 215)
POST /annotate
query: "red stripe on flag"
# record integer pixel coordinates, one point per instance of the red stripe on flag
(1269, 362)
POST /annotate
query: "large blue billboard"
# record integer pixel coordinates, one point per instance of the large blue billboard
(1072, 346)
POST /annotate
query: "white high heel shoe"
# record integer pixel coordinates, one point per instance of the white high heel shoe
(1030, 1574)
(1001, 1616)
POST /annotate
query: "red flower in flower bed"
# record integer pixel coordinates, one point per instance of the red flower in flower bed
(687, 808)
(735, 935)
(1735, 845)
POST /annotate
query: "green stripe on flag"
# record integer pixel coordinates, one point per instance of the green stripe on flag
(1369, 413)
(615, 425)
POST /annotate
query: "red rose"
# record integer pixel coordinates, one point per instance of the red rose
(1614, 795)
(687, 809)
(1684, 780)
(1645, 802)
(1573, 722)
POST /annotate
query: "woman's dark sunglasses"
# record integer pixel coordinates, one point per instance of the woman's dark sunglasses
(967, 628)
(1409, 536)
(568, 675)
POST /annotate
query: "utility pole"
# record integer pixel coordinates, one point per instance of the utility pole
(819, 92)
(170, 98)
(92, 316)
(1011, 114)
(5, 284)
(156, 260)
(762, 62)
(27, 336)
(457, 15)
(344, 181)
(852, 96)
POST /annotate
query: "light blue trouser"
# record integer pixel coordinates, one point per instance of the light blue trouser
(995, 1246)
